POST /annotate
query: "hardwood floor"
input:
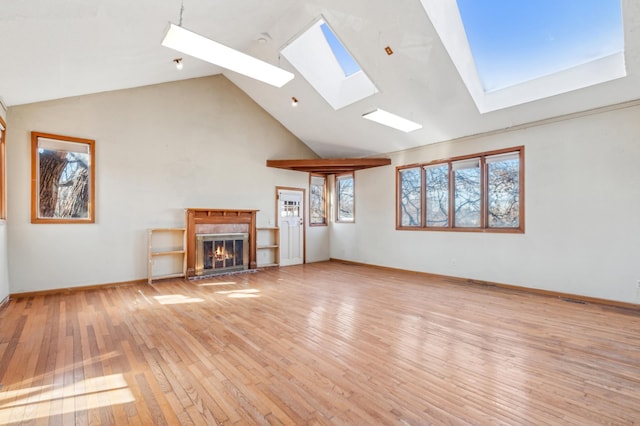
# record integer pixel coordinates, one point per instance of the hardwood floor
(323, 343)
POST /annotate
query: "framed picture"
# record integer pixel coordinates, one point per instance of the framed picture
(62, 179)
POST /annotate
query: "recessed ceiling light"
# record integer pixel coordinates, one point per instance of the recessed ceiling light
(200, 47)
(391, 120)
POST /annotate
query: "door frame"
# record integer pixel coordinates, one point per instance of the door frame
(304, 216)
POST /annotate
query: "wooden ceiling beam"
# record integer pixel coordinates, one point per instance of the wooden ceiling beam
(329, 165)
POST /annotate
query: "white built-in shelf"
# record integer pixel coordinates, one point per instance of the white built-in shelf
(168, 243)
(268, 246)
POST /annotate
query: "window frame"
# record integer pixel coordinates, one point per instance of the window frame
(420, 208)
(484, 194)
(338, 178)
(448, 173)
(323, 200)
(3, 170)
(35, 179)
(478, 164)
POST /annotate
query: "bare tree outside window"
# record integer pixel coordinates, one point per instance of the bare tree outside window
(481, 192)
(504, 191)
(410, 203)
(437, 195)
(466, 175)
(62, 179)
(345, 198)
(317, 200)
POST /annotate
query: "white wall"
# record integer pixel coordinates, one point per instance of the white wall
(317, 243)
(582, 200)
(4, 269)
(198, 143)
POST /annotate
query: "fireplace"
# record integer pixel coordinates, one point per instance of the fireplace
(220, 241)
(220, 253)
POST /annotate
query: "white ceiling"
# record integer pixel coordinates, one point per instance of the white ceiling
(53, 49)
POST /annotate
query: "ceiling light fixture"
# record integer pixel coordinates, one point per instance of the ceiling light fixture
(391, 120)
(294, 101)
(179, 64)
(200, 47)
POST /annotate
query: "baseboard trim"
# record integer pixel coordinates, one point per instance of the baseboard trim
(453, 279)
(459, 280)
(67, 290)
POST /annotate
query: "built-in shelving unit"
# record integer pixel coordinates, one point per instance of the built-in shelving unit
(166, 253)
(268, 246)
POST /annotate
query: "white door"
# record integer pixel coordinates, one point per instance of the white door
(291, 223)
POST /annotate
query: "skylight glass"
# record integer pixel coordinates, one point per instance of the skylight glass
(516, 41)
(512, 52)
(346, 61)
(326, 64)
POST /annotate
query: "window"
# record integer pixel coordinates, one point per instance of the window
(437, 195)
(512, 52)
(466, 177)
(317, 200)
(347, 63)
(62, 179)
(3, 172)
(503, 177)
(482, 192)
(345, 198)
(515, 42)
(325, 62)
(410, 193)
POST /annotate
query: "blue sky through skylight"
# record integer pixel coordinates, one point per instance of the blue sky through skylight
(346, 61)
(516, 41)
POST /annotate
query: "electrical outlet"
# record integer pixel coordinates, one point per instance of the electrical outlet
(639, 284)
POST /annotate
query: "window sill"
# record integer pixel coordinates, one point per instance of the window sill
(472, 230)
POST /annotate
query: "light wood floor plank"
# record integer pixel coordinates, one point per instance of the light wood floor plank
(318, 344)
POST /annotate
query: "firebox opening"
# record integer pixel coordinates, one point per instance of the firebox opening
(221, 253)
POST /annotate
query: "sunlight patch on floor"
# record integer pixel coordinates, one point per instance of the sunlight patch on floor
(241, 294)
(176, 299)
(44, 401)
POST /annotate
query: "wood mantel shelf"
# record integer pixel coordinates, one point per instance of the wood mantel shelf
(199, 217)
(329, 165)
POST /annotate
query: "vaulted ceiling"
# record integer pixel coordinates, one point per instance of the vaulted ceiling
(56, 49)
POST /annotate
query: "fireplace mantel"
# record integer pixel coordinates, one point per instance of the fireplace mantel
(198, 220)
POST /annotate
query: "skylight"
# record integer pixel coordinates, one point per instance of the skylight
(512, 52)
(346, 61)
(326, 64)
(517, 41)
